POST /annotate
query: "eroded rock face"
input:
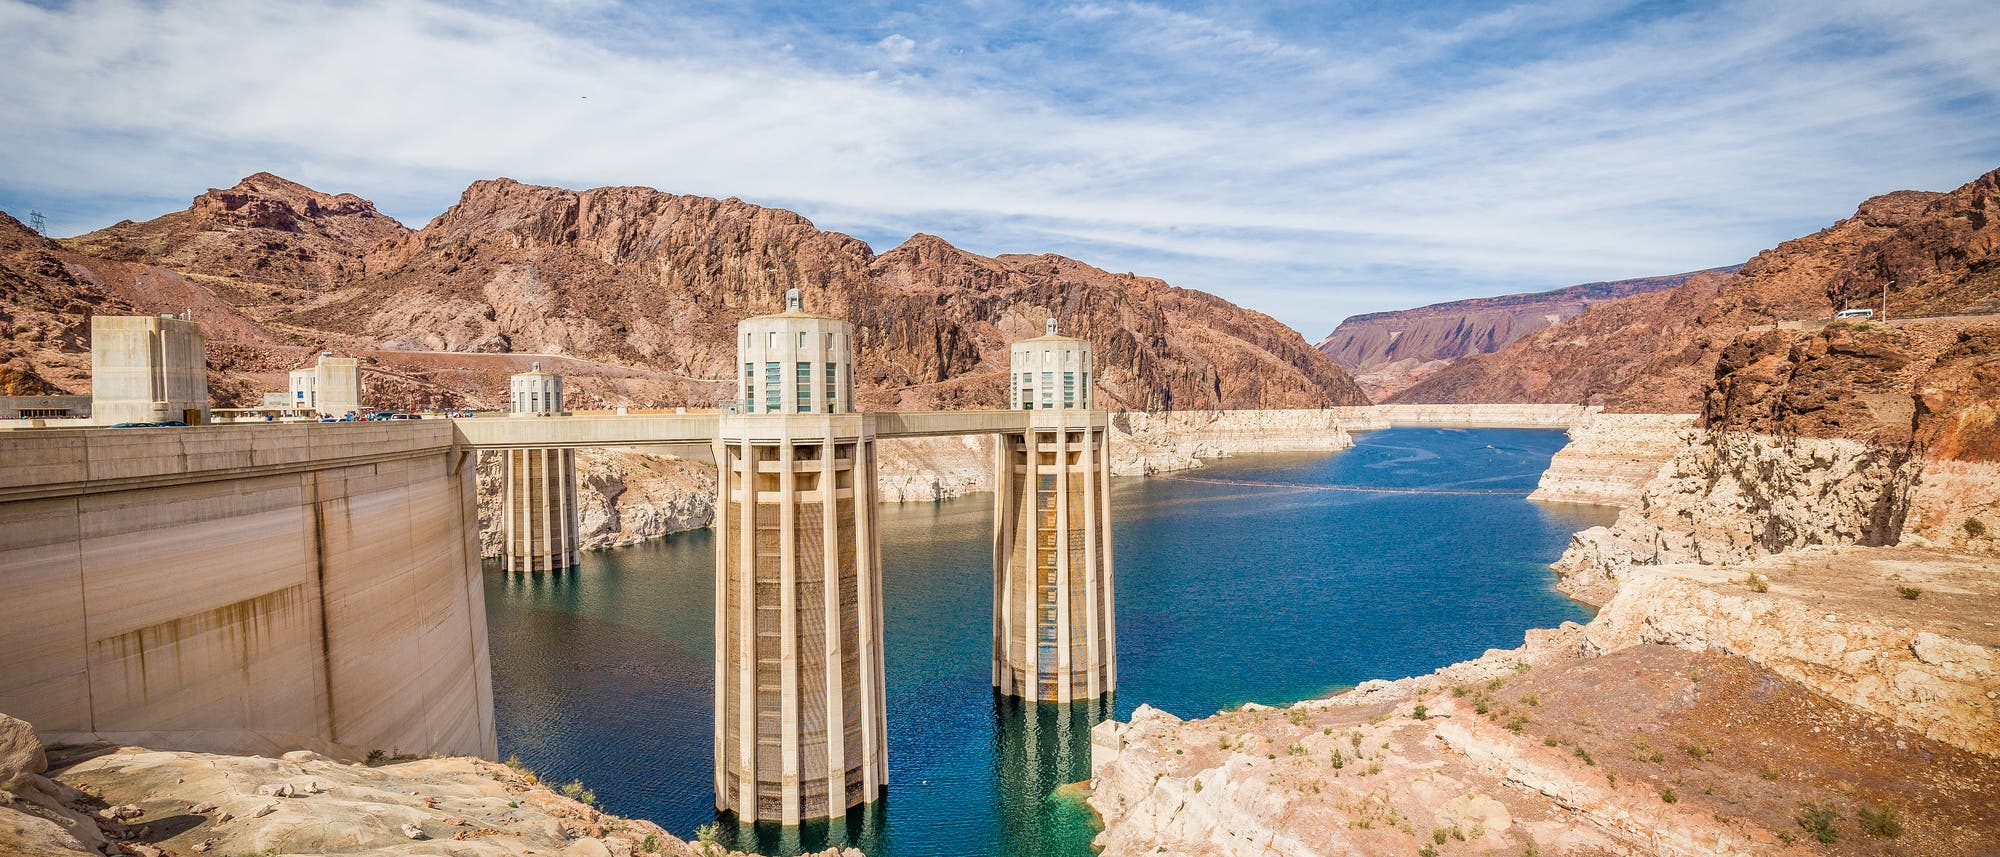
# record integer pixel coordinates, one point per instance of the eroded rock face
(623, 497)
(1611, 458)
(1735, 496)
(1657, 352)
(1925, 679)
(1144, 443)
(266, 233)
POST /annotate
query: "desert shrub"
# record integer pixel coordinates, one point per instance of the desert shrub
(1883, 823)
(1974, 527)
(1819, 821)
(1909, 592)
(1667, 795)
(575, 791)
(1419, 713)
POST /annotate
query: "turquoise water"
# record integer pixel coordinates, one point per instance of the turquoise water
(1227, 593)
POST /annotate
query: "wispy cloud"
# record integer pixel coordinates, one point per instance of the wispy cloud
(1307, 163)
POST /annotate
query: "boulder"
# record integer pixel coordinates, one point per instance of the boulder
(21, 755)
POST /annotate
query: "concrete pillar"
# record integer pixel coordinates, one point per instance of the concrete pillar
(1053, 625)
(539, 520)
(538, 512)
(799, 722)
(146, 369)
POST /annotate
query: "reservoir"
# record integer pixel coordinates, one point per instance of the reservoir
(1260, 579)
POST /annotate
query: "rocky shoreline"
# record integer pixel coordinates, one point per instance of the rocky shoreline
(1797, 643)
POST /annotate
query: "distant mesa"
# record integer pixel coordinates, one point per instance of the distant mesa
(1388, 352)
(1936, 257)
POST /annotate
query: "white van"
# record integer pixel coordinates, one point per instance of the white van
(1855, 313)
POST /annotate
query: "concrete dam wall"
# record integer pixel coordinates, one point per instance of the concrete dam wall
(245, 589)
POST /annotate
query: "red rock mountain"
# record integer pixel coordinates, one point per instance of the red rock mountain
(1388, 352)
(1937, 254)
(635, 294)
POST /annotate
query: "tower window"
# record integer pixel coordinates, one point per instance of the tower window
(774, 390)
(831, 386)
(805, 385)
(749, 388)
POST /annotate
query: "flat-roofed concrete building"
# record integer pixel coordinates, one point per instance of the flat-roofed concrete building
(44, 407)
(1053, 634)
(330, 387)
(800, 731)
(146, 368)
(538, 513)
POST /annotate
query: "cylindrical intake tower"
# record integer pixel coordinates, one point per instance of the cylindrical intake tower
(1053, 634)
(538, 514)
(800, 732)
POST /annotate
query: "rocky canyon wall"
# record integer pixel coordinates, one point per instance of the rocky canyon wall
(1611, 458)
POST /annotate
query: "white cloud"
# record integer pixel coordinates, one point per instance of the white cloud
(898, 47)
(1308, 176)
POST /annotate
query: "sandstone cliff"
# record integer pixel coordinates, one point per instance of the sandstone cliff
(1851, 435)
(1611, 458)
(1389, 351)
(1935, 253)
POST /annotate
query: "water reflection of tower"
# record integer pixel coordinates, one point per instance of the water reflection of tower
(1044, 746)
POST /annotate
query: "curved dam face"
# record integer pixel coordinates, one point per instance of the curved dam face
(245, 589)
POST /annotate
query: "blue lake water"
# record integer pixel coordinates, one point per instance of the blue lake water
(1227, 593)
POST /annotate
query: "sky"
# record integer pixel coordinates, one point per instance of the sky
(1311, 160)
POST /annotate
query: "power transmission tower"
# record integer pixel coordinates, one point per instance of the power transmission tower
(35, 222)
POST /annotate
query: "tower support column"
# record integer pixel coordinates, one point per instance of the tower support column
(539, 520)
(1053, 626)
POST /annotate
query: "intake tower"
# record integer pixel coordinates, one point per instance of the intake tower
(538, 514)
(1053, 635)
(799, 723)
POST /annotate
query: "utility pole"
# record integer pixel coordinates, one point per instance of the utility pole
(35, 222)
(1885, 299)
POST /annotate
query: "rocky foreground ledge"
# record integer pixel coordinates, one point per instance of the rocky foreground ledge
(105, 800)
(1836, 700)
